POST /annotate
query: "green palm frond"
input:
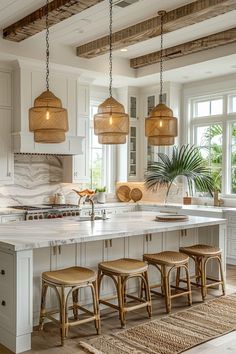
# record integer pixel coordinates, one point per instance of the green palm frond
(187, 162)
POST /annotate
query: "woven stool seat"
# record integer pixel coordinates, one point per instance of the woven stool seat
(167, 257)
(201, 250)
(120, 271)
(165, 262)
(124, 266)
(70, 276)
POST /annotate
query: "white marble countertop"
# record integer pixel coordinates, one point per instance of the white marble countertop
(43, 233)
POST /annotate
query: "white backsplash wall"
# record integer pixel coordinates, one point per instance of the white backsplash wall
(36, 180)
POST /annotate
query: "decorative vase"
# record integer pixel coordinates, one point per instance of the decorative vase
(101, 197)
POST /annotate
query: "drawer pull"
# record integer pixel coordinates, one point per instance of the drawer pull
(3, 303)
(3, 272)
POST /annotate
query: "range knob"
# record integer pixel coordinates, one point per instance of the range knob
(30, 217)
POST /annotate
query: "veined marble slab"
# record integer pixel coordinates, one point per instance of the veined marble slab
(44, 233)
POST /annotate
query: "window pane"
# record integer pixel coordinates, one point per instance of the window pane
(202, 138)
(216, 107)
(232, 104)
(96, 168)
(203, 109)
(233, 158)
(209, 138)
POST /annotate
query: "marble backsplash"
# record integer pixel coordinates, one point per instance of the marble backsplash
(36, 180)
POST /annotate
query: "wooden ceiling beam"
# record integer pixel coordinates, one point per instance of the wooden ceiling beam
(59, 10)
(183, 16)
(198, 45)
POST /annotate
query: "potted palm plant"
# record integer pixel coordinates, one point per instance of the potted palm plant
(186, 162)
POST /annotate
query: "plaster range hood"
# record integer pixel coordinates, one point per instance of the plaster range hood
(28, 80)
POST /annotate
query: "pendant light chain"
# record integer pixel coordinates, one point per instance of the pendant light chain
(110, 47)
(47, 45)
(161, 58)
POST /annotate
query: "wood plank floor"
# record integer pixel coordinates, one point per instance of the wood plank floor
(48, 341)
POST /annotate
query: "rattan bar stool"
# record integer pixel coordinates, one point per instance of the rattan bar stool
(166, 262)
(120, 271)
(74, 278)
(201, 254)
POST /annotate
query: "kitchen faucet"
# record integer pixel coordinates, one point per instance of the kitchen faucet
(92, 214)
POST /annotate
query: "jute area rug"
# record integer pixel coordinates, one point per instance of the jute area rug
(171, 334)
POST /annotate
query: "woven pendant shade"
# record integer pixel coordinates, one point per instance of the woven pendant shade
(48, 119)
(111, 123)
(160, 141)
(161, 127)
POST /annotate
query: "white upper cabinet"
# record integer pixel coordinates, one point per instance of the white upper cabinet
(6, 155)
(76, 168)
(83, 100)
(5, 89)
(29, 83)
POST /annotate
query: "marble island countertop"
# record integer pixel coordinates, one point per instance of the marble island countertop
(44, 233)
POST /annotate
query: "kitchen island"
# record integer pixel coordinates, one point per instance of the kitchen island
(28, 248)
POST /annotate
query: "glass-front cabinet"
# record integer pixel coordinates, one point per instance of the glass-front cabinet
(150, 104)
(133, 137)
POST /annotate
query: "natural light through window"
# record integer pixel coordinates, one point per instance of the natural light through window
(97, 155)
(214, 131)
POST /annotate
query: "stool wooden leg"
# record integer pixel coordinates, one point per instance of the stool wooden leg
(75, 297)
(43, 305)
(166, 288)
(221, 274)
(148, 293)
(96, 307)
(188, 285)
(203, 278)
(177, 281)
(120, 301)
(197, 261)
(63, 316)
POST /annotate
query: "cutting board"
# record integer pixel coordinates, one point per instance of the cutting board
(136, 194)
(123, 193)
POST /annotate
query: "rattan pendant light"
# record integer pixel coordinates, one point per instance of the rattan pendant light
(48, 119)
(161, 127)
(111, 123)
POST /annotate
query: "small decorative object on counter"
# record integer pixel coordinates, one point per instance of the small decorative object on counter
(59, 198)
(104, 214)
(123, 193)
(101, 195)
(136, 194)
(84, 194)
(187, 200)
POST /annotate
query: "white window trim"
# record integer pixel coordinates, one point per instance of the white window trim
(226, 119)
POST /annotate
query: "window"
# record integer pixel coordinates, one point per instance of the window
(209, 139)
(213, 127)
(208, 108)
(97, 154)
(232, 103)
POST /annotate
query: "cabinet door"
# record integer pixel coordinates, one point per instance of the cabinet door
(41, 263)
(81, 162)
(114, 249)
(153, 244)
(83, 99)
(5, 89)
(6, 156)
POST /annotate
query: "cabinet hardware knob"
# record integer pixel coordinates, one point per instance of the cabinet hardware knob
(3, 272)
(110, 243)
(3, 303)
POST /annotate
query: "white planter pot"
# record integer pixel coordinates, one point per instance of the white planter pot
(101, 197)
